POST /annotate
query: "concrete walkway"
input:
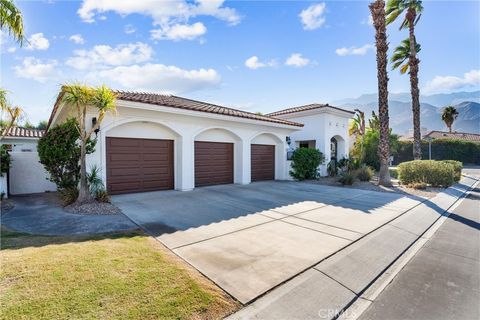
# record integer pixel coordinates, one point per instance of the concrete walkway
(42, 214)
(442, 281)
(250, 239)
(331, 286)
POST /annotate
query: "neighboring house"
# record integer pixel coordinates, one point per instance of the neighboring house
(465, 136)
(26, 174)
(160, 142)
(325, 128)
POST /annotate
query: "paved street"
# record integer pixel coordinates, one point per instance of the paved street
(443, 279)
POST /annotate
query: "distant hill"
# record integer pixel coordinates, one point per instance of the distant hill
(400, 110)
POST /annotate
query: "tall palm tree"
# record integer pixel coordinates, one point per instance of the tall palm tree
(413, 10)
(377, 8)
(449, 115)
(80, 98)
(11, 19)
(401, 55)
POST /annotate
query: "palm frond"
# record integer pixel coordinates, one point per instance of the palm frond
(11, 19)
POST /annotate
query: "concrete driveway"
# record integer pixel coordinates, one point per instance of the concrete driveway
(251, 238)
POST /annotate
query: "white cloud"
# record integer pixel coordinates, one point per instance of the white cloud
(33, 68)
(129, 29)
(37, 42)
(159, 77)
(254, 63)
(173, 14)
(11, 49)
(296, 60)
(77, 38)
(313, 17)
(104, 55)
(368, 21)
(356, 51)
(470, 79)
(178, 32)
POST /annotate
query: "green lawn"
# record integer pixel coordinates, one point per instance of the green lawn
(117, 276)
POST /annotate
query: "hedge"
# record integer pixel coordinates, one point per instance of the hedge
(434, 173)
(442, 149)
(305, 162)
(457, 167)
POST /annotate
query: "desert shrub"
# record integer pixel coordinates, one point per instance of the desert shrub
(345, 164)
(68, 195)
(364, 173)
(347, 178)
(418, 185)
(431, 172)
(4, 159)
(393, 173)
(305, 162)
(94, 181)
(332, 168)
(442, 149)
(59, 152)
(457, 167)
(102, 196)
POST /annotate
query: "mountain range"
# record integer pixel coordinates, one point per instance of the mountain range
(400, 110)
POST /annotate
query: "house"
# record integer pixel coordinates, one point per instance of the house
(160, 142)
(325, 128)
(435, 134)
(26, 174)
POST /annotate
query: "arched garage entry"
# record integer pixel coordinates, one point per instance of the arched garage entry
(216, 157)
(266, 152)
(140, 156)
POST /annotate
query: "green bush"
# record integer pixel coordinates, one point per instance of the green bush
(4, 159)
(418, 185)
(59, 152)
(431, 172)
(457, 167)
(68, 195)
(370, 145)
(305, 162)
(101, 195)
(332, 168)
(347, 178)
(393, 173)
(442, 149)
(364, 173)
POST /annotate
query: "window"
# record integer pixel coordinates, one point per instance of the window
(303, 144)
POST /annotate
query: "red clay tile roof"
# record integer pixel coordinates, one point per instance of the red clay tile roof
(24, 133)
(453, 135)
(186, 104)
(305, 108)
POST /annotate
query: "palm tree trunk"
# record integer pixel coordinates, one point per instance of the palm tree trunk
(414, 90)
(377, 9)
(84, 195)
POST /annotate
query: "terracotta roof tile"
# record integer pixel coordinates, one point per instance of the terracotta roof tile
(188, 104)
(24, 132)
(305, 108)
(453, 135)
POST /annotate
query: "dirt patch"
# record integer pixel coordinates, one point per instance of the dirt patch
(93, 208)
(372, 185)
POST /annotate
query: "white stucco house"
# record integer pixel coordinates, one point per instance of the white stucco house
(159, 142)
(26, 174)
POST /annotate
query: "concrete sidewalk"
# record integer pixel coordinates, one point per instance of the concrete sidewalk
(442, 281)
(330, 287)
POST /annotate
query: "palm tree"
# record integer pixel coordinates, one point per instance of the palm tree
(401, 54)
(81, 98)
(449, 115)
(377, 8)
(357, 128)
(12, 20)
(413, 10)
(13, 114)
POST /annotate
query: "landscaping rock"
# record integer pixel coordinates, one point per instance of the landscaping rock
(93, 208)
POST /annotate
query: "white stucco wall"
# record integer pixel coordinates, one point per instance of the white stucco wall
(141, 120)
(321, 125)
(27, 174)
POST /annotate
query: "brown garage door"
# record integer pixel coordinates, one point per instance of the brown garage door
(213, 163)
(136, 165)
(263, 162)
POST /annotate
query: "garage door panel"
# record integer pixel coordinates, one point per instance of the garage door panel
(213, 163)
(262, 162)
(136, 165)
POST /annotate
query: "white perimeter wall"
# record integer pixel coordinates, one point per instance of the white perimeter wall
(184, 127)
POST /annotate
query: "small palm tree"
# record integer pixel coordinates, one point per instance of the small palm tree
(357, 129)
(449, 115)
(377, 9)
(11, 19)
(9, 114)
(81, 97)
(413, 10)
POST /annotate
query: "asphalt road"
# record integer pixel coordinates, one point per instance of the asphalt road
(442, 281)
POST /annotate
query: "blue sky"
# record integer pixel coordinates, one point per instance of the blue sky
(253, 55)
